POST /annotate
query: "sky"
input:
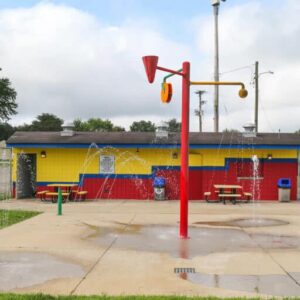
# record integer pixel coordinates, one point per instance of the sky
(82, 59)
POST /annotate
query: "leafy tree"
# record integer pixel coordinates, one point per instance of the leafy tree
(96, 124)
(118, 128)
(172, 125)
(24, 127)
(6, 130)
(142, 126)
(47, 122)
(298, 131)
(43, 122)
(7, 100)
(80, 125)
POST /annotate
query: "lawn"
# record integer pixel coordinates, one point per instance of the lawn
(10, 217)
(4, 196)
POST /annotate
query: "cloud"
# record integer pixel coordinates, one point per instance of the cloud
(257, 32)
(64, 61)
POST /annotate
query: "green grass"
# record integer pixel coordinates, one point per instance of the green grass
(10, 217)
(47, 297)
(4, 196)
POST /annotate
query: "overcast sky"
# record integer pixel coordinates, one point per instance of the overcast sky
(82, 58)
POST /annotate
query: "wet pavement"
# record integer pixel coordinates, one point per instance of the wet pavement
(275, 285)
(93, 246)
(205, 241)
(246, 222)
(202, 240)
(23, 269)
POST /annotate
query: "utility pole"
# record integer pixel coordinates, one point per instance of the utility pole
(256, 97)
(216, 5)
(256, 81)
(199, 112)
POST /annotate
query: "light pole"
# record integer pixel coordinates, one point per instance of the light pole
(256, 82)
(199, 112)
(216, 4)
(151, 65)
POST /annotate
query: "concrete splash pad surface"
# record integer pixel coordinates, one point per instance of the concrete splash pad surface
(246, 222)
(136, 245)
(205, 241)
(22, 269)
(276, 285)
(202, 241)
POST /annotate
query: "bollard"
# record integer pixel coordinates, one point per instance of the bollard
(59, 203)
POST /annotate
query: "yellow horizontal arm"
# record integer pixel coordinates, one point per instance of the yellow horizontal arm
(216, 83)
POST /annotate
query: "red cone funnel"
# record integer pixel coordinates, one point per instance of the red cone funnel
(150, 63)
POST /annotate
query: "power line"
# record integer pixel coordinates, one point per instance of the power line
(237, 69)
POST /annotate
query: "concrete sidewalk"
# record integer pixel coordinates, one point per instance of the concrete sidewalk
(132, 247)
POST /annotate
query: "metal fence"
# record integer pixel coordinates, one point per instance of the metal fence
(5, 173)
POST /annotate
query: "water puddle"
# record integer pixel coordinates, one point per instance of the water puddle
(23, 269)
(203, 240)
(245, 223)
(275, 285)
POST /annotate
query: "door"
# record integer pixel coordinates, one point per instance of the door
(26, 175)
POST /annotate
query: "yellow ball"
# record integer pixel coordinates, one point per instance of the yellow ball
(243, 93)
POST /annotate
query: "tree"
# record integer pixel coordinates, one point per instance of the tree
(172, 125)
(24, 127)
(46, 122)
(96, 124)
(118, 128)
(7, 100)
(80, 125)
(142, 126)
(6, 130)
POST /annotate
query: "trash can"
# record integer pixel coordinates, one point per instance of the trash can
(284, 189)
(159, 185)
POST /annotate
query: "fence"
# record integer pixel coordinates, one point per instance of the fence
(5, 173)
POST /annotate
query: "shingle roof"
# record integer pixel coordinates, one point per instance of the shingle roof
(206, 138)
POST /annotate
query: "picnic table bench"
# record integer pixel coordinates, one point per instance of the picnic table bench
(54, 196)
(231, 197)
(228, 192)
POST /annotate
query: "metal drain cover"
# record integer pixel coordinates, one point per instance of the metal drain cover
(184, 270)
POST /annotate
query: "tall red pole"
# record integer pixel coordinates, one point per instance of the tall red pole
(184, 170)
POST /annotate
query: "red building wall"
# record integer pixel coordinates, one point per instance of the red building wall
(201, 179)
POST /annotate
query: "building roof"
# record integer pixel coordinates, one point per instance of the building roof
(149, 139)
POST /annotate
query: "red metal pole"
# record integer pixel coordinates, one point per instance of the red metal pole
(184, 170)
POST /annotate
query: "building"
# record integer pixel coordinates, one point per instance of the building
(122, 165)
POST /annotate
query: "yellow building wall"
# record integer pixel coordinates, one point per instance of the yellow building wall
(66, 164)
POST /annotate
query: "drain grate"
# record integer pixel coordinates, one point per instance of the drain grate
(184, 270)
